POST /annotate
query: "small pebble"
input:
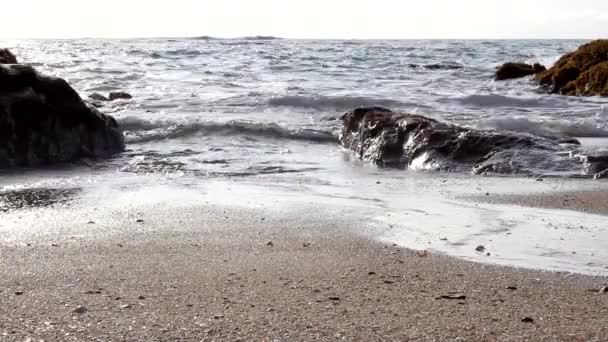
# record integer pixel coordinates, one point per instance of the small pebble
(306, 244)
(18, 293)
(604, 290)
(334, 298)
(480, 249)
(528, 320)
(270, 244)
(80, 310)
(141, 297)
(126, 306)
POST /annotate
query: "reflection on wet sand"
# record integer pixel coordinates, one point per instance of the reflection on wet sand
(34, 198)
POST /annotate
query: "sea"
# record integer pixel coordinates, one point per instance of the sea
(209, 115)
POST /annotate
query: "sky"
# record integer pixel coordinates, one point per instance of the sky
(362, 19)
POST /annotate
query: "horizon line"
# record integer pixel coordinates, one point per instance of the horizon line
(269, 37)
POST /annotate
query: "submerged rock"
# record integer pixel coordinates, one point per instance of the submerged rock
(580, 73)
(392, 139)
(98, 97)
(509, 71)
(44, 121)
(7, 57)
(119, 95)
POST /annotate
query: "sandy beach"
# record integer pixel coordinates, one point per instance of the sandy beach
(216, 272)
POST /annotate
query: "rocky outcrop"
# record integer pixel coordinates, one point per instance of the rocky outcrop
(391, 139)
(7, 57)
(44, 121)
(581, 73)
(111, 97)
(509, 71)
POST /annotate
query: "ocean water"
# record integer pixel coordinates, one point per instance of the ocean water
(243, 107)
(266, 112)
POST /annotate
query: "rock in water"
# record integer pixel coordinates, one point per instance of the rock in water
(44, 121)
(509, 71)
(7, 57)
(98, 97)
(392, 139)
(119, 95)
(580, 73)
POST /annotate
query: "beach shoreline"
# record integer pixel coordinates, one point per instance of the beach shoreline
(226, 272)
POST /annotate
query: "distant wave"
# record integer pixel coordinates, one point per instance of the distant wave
(142, 131)
(436, 66)
(583, 128)
(203, 38)
(495, 100)
(331, 102)
(261, 38)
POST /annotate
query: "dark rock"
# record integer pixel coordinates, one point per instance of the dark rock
(18, 293)
(334, 298)
(80, 310)
(391, 139)
(98, 97)
(580, 73)
(528, 320)
(7, 57)
(44, 121)
(604, 290)
(436, 66)
(119, 95)
(480, 249)
(453, 297)
(509, 71)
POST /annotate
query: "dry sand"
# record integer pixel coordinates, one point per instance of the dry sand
(208, 273)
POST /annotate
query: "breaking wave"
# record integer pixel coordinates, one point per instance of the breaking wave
(340, 103)
(582, 128)
(495, 100)
(142, 131)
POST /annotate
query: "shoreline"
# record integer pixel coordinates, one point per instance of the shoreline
(214, 271)
(587, 201)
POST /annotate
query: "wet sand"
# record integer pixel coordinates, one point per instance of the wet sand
(295, 273)
(592, 202)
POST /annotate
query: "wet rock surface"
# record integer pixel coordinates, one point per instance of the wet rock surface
(517, 70)
(391, 139)
(580, 73)
(44, 121)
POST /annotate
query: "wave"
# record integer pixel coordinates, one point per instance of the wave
(261, 38)
(340, 103)
(495, 100)
(436, 66)
(141, 131)
(582, 128)
(203, 38)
